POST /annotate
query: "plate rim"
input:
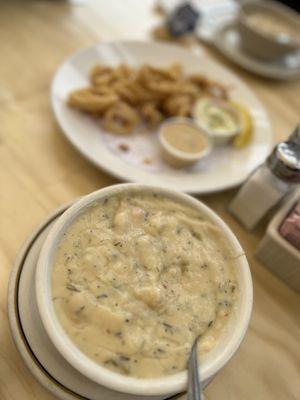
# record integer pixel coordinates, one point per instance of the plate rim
(124, 177)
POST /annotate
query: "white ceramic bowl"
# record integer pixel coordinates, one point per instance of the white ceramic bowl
(211, 363)
(261, 44)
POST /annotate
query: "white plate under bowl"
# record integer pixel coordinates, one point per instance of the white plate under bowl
(30, 337)
(224, 168)
(227, 40)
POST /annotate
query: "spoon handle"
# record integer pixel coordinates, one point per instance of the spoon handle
(194, 391)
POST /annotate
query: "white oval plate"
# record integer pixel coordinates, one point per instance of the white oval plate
(224, 168)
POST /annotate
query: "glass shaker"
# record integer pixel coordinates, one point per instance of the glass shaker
(269, 183)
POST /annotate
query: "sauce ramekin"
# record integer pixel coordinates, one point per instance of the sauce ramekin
(123, 387)
(218, 138)
(178, 158)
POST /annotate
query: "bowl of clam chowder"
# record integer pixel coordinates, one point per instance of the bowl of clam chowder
(128, 277)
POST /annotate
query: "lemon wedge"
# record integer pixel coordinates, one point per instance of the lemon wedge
(246, 133)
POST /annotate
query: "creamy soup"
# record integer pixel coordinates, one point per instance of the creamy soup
(273, 24)
(137, 277)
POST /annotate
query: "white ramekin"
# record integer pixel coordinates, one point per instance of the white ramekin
(121, 385)
(216, 137)
(178, 158)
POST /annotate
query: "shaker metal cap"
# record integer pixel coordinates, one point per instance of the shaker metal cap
(295, 136)
(284, 161)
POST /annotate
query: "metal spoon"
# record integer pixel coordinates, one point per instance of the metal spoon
(194, 390)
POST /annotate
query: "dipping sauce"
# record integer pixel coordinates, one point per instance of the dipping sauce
(185, 137)
(137, 277)
(182, 142)
(273, 25)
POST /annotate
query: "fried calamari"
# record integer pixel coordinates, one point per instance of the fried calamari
(123, 96)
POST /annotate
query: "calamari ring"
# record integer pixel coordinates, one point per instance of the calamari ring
(162, 87)
(123, 89)
(185, 87)
(173, 72)
(143, 94)
(88, 100)
(151, 113)
(179, 106)
(123, 71)
(120, 119)
(198, 80)
(105, 89)
(101, 75)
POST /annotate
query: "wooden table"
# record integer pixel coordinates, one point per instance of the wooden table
(39, 170)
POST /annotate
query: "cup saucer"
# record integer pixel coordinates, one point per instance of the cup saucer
(227, 40)
(37, 351)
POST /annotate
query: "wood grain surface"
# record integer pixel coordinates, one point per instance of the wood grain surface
(39, 170)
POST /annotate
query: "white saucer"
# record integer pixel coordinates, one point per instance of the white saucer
(217, 28)
(227, 41)
(35, 347)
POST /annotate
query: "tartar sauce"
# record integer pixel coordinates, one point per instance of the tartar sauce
(217, 118)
